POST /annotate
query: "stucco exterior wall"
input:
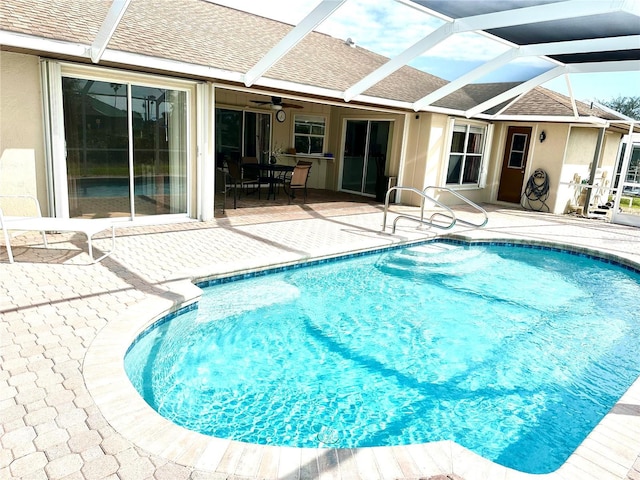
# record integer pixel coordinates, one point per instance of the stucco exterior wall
(22, 153)
(339, 116)
(565, 155)
(425, 150)
(496, 149)
(610, 150)
(549, 156)
(325, 173)
(418, 153)
(581, 146)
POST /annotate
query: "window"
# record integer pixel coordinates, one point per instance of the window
(309, 132)
(517, 153)
(466, 154)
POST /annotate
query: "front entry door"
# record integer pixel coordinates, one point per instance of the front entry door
(514, 163)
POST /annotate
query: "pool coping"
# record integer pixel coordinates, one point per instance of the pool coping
(608, 452)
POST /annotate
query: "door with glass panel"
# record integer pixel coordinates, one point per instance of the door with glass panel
(366, 148)
(127, 149)
(514, 164)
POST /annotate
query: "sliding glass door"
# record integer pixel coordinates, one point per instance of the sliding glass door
(242, 133)
(127, 149)
(366, 146)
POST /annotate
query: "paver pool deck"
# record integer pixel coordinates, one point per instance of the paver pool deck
(68, 412)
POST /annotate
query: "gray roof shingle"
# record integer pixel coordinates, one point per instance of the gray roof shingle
(203, 33)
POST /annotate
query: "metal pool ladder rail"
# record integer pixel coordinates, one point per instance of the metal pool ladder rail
(449, 215)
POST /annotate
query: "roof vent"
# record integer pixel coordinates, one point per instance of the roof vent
(350, 42)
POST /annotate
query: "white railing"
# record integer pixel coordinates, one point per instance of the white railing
(448, 214)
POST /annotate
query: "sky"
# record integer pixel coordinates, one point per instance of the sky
(389, 27)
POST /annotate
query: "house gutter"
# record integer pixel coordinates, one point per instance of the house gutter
(44, 46)
(338, 96)
(595, 121)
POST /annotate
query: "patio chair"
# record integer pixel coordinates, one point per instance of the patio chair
(235, 180)
(298, 180)
(38, 223)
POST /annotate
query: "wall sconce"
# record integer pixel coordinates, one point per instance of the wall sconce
(543, 136)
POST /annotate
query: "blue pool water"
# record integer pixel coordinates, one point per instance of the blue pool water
(515, 353)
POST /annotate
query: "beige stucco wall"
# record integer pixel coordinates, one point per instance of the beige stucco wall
(419, 153)
(549, 156)
(579, 156)
(339, 116)
(610, 152)
(425, 151)
(22, 155)
(567, 151)
(325, 172)
(536, 156)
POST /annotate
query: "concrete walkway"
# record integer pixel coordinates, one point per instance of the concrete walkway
(54, 306)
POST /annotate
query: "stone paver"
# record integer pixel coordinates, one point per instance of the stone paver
(54, 303)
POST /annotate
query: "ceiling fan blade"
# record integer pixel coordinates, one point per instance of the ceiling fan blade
(291, 105)
(276, 102)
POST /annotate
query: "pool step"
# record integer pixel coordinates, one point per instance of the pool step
(437, 258)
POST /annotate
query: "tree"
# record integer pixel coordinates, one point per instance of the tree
(629, 106)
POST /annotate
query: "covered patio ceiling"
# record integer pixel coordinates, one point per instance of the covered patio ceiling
(573, 36)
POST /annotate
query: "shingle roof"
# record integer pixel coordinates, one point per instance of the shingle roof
(56, 19)
(471, 95)
(542, 101)
(203, 33)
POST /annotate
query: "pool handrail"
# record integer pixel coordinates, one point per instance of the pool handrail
(465, 200)
(423, 197)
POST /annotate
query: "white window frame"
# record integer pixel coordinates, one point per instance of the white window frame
(55, 71)
(484, 155)
(323, 136)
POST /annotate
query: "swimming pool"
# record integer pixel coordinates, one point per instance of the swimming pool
(512, 352)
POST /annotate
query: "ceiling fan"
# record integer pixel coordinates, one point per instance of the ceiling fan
(276, 103)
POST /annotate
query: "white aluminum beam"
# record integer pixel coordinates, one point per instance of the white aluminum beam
(507, 18)
(466, 79)
(508, 105)
(441, 33)
(306, 26)
(108, 27)
(541, 49)
(628, 42)
(523, 87)
(539, 13)
(574, 107)
(605, 67)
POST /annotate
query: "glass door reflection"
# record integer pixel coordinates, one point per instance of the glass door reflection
(126, 149)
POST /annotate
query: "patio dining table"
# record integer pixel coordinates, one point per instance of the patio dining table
(273, 174)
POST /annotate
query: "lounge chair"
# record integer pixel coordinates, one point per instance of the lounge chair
(38, 223)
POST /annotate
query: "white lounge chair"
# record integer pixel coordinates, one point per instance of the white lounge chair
(38, 223)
